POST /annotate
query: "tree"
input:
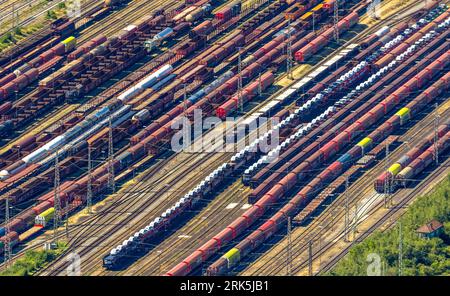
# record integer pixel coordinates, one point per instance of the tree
(420, 256)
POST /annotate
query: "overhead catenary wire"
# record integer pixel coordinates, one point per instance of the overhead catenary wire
(7, 241)
(57, 203)
(131, 256)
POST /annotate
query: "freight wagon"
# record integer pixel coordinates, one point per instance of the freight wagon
(268, 228)
(385, 182)
(137, 151)
(45, 217)
(29, 72)
(229, 11)
(422, 161)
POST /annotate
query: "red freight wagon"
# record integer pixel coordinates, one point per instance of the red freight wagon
(180, 269)
(5, 107)
(203, 29)
(209, 248)
(329, 149)
(44, 205)
(58, 49)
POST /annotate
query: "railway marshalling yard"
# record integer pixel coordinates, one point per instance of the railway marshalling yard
(158, 180)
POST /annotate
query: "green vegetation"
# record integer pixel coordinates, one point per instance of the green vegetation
(10, 38)
(33, 261)
(421, 256)
(6, 38)
(51, 15)
(19, 33)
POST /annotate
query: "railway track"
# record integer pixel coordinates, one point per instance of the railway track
(152, 189)
(17, 7)
(66, 108)
(186, 239)
(362, 189)
(151, 264)
(95, 262)
(391, 20)
(173, 247)
(165, 205)
(405, 197)
(118, 19)
(177, 255)
(95, 254)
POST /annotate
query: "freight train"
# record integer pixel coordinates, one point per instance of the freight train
(123, 250)
(29, 71)
(84, 129)
(336, 168)
(122, 163)
(423, 160)
(320, 156)
(384, 183)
